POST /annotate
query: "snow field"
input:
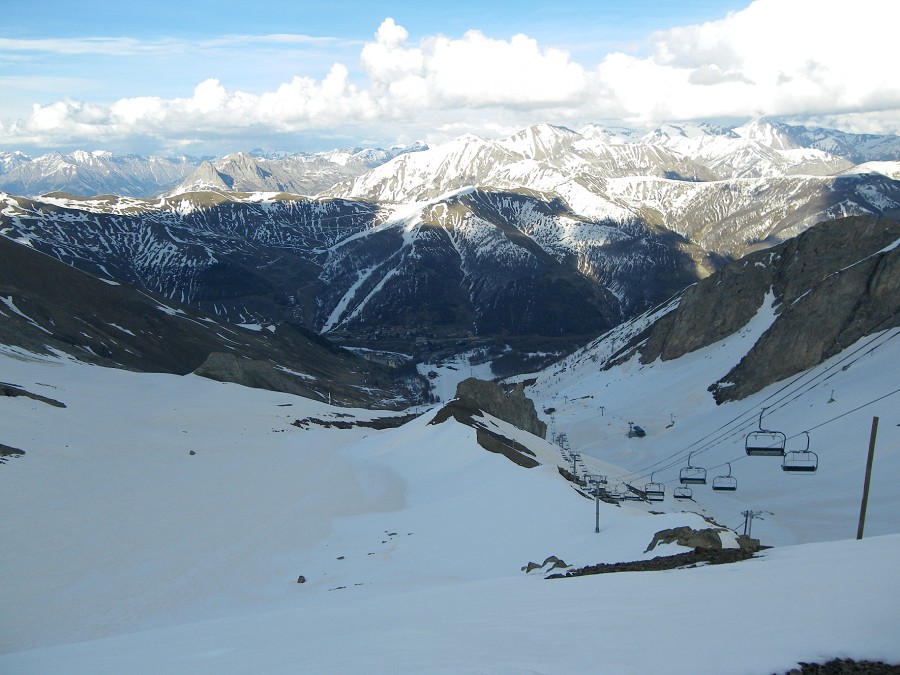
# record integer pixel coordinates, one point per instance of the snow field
(124, 553)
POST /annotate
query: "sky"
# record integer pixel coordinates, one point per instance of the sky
(214, 77)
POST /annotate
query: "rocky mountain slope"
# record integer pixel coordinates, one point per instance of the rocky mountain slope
(304, 173)
(725, 192)
(478, 263)
(828, 288)
(99, 172)
(47, 307)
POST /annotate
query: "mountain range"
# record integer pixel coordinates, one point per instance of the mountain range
(704, 151)
(539, 241)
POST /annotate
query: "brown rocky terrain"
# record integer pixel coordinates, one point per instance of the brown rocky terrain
(832, 285)
(48, 307)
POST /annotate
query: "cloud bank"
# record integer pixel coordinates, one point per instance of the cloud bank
(813, 60)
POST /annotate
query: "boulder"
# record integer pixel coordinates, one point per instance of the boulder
(689, 537)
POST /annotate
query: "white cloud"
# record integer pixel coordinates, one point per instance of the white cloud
(776, 57)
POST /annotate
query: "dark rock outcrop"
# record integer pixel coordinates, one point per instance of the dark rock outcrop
(686, 536)
(699, 556)
(550, 563)
(473, 397)
(12, 390)
(835, 285)
(846, 667)
(832, 285)
(508, 405)
(7, 451)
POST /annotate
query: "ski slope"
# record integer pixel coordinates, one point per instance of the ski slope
(122, 552)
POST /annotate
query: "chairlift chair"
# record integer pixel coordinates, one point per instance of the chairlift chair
(726, 483)
(683, 492)
(765, 443)
(692, 475)
(656, 492)
(618, 493)
(800, 461)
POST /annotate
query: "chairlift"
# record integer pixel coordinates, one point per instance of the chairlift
(618, 493)
(656, 492)
(727, 483)
(692, 475)
(801, 461)
(683, 492)
(765, 443)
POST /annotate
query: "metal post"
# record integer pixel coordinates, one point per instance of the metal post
(597, 508)
(865, 497)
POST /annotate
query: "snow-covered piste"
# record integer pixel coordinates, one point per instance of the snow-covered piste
(123, 552)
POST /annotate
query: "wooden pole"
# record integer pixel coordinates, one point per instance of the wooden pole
(865, 497)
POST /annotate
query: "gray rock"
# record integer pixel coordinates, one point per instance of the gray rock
(833, 284)
(508, 405)
(686, 536)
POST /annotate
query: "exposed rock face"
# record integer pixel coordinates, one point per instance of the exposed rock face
(510, 406)
(834, 284)
(825, 306)
(474, 397)
(550, 563)
(248, 372)
(686, 536)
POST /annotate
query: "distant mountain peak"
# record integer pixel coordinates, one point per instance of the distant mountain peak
(768, 133)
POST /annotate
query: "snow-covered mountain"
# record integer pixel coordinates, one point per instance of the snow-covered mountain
(305, 173)
(102, 173)
(206, 526)
(755, 150)
(92, 173)
(857, 148)
(548, 232)
(472, 265)
(761, 148)
(722, 190)
(10, 160)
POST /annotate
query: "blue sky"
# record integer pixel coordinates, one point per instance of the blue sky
(212, 77)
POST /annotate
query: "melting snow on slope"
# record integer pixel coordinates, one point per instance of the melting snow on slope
(411, 540)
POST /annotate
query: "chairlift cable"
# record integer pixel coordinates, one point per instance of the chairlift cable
(869, 347)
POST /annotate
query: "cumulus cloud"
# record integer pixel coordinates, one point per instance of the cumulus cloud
(811, 58)
(471, 72)
(773, 58)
